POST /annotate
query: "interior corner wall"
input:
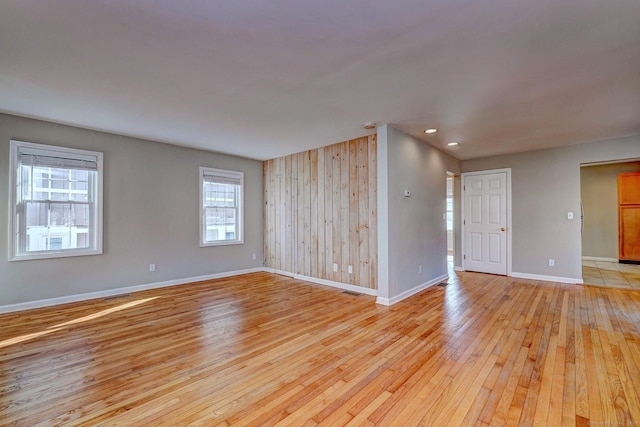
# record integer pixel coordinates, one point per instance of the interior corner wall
(599, 193)
(417, 232)
(321, 213)
(151, 214)
(545, 186)
(382, 132)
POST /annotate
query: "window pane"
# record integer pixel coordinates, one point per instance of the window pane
(82, 240)
(41, 178)
(60, 196)
(211, 235)
(59, 179)
(80, 215)
(81, 186)
(54, 243)
(37, 214)
(56, 215)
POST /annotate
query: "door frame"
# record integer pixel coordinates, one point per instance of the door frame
(462, 207)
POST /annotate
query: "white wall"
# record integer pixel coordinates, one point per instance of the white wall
(545, 186)
(416, 230)
(150, 216)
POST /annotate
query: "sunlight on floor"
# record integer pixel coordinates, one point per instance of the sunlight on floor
(59, 326)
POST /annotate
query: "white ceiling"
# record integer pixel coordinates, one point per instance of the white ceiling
(264, 78)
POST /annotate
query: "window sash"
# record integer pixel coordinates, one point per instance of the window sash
(69, 226)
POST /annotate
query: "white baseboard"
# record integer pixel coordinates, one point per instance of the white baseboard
(547, 278)
(156, 285)
(412, 291)
(456, 268)
(118, 291)
(601, 259)
(339, 285)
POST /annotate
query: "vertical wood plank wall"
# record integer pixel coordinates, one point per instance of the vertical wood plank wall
(320, 209)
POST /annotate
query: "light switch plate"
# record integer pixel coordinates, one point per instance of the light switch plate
(569, 215)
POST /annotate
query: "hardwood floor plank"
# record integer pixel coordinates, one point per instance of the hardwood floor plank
(535, 369)
(582, 395)
(264, 349)
(569, 397)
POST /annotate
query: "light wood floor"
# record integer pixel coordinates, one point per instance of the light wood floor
(263, 349)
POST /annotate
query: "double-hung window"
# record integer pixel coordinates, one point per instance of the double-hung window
(220, 207)
(56, 201)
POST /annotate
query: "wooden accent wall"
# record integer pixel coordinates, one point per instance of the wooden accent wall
(321, 209)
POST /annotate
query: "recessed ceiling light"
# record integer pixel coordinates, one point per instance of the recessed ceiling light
(369, 125)
(432, 130)
(453, 144)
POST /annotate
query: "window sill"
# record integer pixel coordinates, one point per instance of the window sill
(222, 243)
(48, 255)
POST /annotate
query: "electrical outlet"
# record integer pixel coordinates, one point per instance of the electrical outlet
(420, 269)
(335, 267)
(552, 262)
(253, 256)
(152, 267)
(350, 269)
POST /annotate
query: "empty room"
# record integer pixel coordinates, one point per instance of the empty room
(319, 213)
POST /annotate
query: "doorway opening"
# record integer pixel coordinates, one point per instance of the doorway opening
(601, 226)
(450, 223)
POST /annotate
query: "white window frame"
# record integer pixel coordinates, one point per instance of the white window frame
(96, 214)
(240, 224)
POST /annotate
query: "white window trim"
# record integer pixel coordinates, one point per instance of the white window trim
(13, 165)
(240, 225)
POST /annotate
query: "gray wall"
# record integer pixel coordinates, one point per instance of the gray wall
(599, 193)
(545, 186)
(416, 228)
(150, 216)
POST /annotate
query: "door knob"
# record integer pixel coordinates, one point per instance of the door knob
(502, 229)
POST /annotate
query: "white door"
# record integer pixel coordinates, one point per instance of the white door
(485, 222)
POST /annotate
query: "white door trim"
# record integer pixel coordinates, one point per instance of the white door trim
(462, 228)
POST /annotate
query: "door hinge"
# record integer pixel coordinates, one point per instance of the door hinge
(464, 256)
(464, 222)
(464, 188)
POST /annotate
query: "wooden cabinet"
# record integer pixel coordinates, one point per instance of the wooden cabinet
(629, 217)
